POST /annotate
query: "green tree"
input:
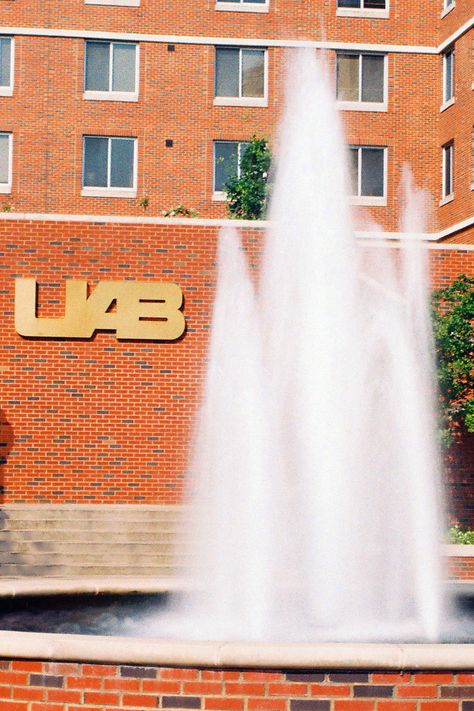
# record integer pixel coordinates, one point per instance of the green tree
(247, 193)
(453, 320)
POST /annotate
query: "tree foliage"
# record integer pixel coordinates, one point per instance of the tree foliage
(453, 319)
(247, 193)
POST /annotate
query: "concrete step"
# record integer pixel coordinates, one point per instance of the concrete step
(67, 559)
(20, 571)
(69, 541)
(119, 536)
(21, 546)
(84, 525)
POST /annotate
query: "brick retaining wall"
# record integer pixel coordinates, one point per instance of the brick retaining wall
(48, 686)
(101, 420)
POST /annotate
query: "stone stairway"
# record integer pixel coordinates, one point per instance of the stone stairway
(69, 541)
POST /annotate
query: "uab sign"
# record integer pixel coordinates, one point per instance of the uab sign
(141, 310)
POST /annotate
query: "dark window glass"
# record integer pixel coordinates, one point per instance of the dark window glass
(372, 78)
(348, 3)
(348, 77)
(448, 75)
(123, 74)
(95, 161)
(372, 172)
(253, 62)
(227, 72)
(354, 170)
(121, 163)
(4, 157)
(5, 61)
(226, 163)
(375, 4)
(97, 66)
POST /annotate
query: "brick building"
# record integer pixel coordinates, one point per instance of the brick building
(113, 111)
(110, 106)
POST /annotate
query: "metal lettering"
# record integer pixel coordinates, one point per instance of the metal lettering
(143, 310)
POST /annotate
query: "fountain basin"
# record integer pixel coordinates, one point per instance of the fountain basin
(115, 672)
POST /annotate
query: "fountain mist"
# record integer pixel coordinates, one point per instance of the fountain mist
(316, 470)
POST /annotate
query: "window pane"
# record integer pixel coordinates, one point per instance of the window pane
(375, 4)
(95, 161)
(448, 75)
(4, 157)
(225, 163)
(348, 3)
(97, 66)
(123, 77)
(348, 77)
(448, 170)
(372, 172)
(253, 62)
(255, 2)
(5, 61)
(227, 72)
(121, 168)
(372, 78)
(354, 170)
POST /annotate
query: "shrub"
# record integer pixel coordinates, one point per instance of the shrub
(247, 194)
(453, 325)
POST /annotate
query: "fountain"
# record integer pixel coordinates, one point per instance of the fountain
(314, 475)
(315, 470)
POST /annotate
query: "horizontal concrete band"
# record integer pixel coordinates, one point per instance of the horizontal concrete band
(213, 41)
(378, 236)
(133, 650)
(236, 41)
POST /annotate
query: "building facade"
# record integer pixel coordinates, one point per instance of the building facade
(120, 108)
(114, 111)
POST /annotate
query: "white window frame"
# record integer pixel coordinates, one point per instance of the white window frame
(6, 188)
(448, 5)
(370, 200)
(242, 6)
(118, 3)
(8, 90)
(448, 101)
(220, 195)
(365, 105)
(447, 150)
(97, 191)
(111, 95)
(261, 101)
(364, 12)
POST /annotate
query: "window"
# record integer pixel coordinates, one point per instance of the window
(367, 174)
(448, 75)
(448, 177)
(361, 79)
(6, 140)
(109, 166)
(363, 4)
(227, 158)
(240, 76)
(6, 66)
(111, 71)
(243, 5)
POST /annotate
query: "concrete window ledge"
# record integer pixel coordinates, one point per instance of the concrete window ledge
(133, 650)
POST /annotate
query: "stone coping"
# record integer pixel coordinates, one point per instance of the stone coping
(91, 585)
(249, 655)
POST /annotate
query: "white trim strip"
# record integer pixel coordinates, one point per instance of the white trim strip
(229, 41)
(456, 35)
(212, 222)
(134, 650)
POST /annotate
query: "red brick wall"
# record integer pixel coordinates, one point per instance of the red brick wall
(460, 568)
(49, 117)
(49, 686)
(101, 420)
